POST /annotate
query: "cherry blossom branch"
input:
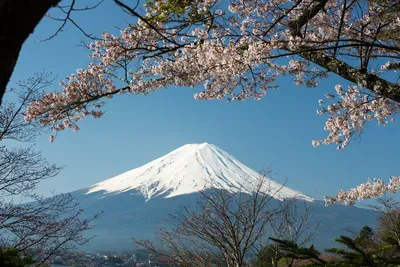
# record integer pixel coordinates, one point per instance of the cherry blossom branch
(235, 60)
(365, 80)
(373, 189)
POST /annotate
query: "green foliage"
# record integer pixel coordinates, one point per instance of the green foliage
(362, 250)
(359, 251)
(269, 256)
(177, 7)
(368, 248)
(292, 250)
(390, 231)
(181, 9)
(389, 11)
(12, 258)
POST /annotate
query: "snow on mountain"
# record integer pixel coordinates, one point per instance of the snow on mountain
(188, 169)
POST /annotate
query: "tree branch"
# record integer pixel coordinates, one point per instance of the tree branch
(366, 80)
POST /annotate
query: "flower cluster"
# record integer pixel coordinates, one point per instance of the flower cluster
(372, 189)
(79, 88)
(351, 110)
(236, 53)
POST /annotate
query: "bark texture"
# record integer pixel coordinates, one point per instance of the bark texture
(368, 80)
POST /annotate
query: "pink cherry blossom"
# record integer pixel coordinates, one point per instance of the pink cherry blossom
(372, 189)
(235, 59)
(238, 52)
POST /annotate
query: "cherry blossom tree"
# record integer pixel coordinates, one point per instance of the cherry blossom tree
(44, 225)
(234, 50)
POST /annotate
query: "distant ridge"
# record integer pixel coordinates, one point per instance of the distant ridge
(189, 169)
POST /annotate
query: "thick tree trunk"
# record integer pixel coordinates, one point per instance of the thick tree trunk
(18, 19)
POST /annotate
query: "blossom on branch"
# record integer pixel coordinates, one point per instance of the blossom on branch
(236, 53)
(372, 189)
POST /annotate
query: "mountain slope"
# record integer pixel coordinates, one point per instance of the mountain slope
(189, 169)
(136, 203)
(128, 215)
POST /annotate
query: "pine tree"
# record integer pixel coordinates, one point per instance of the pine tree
(12, 258)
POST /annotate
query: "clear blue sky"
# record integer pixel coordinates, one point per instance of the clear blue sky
(277, 130)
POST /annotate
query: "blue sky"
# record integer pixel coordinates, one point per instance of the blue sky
(277, 130)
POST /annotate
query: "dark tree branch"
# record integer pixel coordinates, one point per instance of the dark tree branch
(296, 25)
(67, 10)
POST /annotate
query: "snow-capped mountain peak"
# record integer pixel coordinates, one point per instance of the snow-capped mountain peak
(189, 169)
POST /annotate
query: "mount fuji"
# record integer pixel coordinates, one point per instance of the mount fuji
(135, 203)
(189, 169)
